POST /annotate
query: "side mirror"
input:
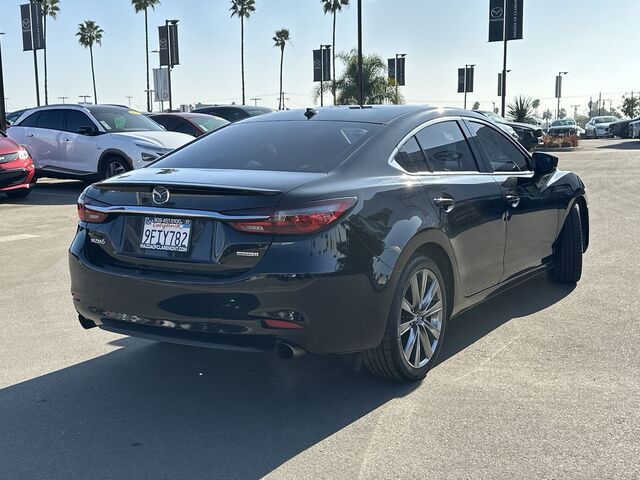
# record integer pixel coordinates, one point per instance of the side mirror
(88, 131)
(544, 163)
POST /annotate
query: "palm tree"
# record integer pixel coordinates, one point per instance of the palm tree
(521, 109)
(143, 6)
(242, 9)
(333, 7)
(90, 34)
(50, 8)
(377, 87)
(281, 39)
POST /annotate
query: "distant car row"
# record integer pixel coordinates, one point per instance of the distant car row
(92, 142)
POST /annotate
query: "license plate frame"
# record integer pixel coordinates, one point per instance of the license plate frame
(166, 234)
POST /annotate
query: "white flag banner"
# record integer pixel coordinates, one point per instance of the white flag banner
(161, 84)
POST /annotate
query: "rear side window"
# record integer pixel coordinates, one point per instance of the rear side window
(500, 152)
(31, 120)
(446, 148)
(51, 119)
(293, 146)
(411, 158)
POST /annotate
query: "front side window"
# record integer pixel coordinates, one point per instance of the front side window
(77, 120)
(411, 158)
(446, 148)
(500, 152)
(293, 146)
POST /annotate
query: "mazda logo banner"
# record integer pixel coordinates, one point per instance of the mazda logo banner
(510, 11)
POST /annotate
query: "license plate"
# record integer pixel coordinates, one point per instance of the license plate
(171, 234)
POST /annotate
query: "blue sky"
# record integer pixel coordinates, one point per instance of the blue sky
(595, 40)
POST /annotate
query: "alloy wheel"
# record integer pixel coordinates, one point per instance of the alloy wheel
(420, 318)
(115, 168)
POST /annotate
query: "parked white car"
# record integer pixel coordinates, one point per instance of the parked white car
(634, 129)
(598, 127)
(91, 142)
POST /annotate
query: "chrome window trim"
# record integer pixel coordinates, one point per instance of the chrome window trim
(392, 162)
(175, 212)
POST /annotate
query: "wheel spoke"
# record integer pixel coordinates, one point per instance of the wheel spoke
(408, 348)
(432, 310)
(404, 327)
(423, 284)
(432, 329)
(406, 306)
(416, 359)
(431, 293)
(426, 343)
(415, 294)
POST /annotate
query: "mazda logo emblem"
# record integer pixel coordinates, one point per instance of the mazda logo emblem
(26, 24)
(496, 12)
(160, 195)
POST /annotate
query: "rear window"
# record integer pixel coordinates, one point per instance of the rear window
(304, 146)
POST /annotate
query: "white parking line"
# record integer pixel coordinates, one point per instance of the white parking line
(13, 238)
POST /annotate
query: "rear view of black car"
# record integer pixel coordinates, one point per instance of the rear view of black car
(331, 231)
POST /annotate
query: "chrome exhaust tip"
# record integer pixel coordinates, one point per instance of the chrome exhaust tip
(288, 351)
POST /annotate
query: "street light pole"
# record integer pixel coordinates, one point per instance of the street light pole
(322, 49)
(129, 97)
(169, 46)
(504, 60)
(360, 73)
(559, 91)
(466, 69)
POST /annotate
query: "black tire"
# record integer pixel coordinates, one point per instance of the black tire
(21, 193)
(111, 164)
(567, 264)
(387, 360)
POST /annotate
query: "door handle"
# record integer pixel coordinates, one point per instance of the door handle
(65, 139)
(445, 203)
(29, 135)
(512, 199)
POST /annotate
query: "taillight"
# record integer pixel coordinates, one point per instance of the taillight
(300, 220)
(85, 214)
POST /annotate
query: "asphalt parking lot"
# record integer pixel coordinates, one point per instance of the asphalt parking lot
(543, 382)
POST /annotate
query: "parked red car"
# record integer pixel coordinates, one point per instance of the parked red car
(17, 173)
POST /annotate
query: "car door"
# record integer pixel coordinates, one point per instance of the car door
(468, 201)
(80, 151)
(44, 139)
(531, 202)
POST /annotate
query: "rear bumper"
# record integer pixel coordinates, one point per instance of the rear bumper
(339, 312)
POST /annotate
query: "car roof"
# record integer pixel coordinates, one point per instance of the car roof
(239, 107)
(186, 115)
(381, 114)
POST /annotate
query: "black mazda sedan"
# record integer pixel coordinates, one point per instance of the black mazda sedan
(325, 231)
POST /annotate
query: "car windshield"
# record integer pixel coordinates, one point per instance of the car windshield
(120, 119)
(209, 124)
(292, 146)
(606, 119)
(559, 123)
(254, 112)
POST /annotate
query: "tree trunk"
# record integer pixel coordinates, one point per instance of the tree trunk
(46, 87)
(146, 51)
(242, 55)
(333, 66)
(93, 76)
(281, 101)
